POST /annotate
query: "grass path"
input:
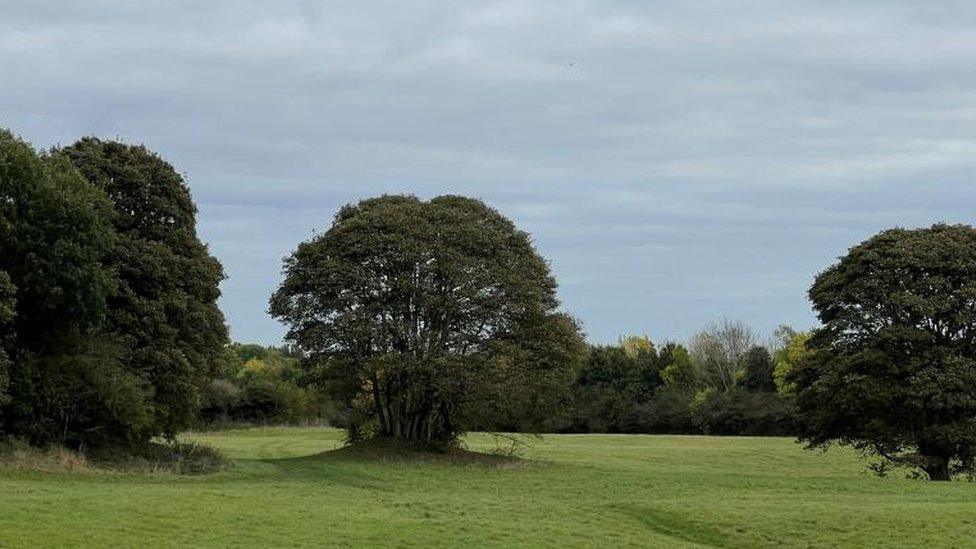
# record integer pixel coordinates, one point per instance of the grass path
(286, 489)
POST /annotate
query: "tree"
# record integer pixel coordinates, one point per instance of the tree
(416, 314)
(65, 382)
(743, 413)
(637, 345)
(613, 383)
(757, 368)
(718, 351)
(892, 371)
(261, 385)
(678, 367)
(792, 350)
(163, 308)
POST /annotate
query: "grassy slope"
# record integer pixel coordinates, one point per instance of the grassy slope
(592, 490)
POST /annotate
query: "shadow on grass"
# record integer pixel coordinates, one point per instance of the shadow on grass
(391, 452)
(372, 465)
(675, 526)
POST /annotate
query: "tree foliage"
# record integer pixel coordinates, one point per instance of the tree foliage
(163, 309)
(613, 387)
(54, 235)
(262, 385)
(792, 351)
(893, 369)
(71, 371)
(719, 351)
(743, 413)
(668, 390)
(422, 317)
(757, 370)
(7, 315)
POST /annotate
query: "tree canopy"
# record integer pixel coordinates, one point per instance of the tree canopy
(163, 309)
(892, 371)
(428, 318)
(54, 235)
(757, 370)
(108, 318)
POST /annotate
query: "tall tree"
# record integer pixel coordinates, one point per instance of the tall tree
(719, 349)
(893, 369)
(417, 314)
(757, 368)
(163, 309)
(65, 384)
(792, 350)
(677, 367)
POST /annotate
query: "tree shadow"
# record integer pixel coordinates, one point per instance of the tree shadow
(392, 452)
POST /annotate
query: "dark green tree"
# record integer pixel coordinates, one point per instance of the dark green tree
(541, 358)
(53, 237)
(742, 412)
(422, 317)
(613, 386)
(163, 309)
(893, 369)
(7, 314)
(757, 370)
(65, 382)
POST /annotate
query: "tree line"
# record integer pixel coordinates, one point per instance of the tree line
(419, 320)
(724, 382)
(629, 387)
(265, 386)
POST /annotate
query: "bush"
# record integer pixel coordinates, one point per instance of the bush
(181, 458)
(17, 455)
(669, 411)
(262, 385)
(635, 388)
(740, 412)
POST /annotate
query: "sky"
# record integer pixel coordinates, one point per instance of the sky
(676, 162)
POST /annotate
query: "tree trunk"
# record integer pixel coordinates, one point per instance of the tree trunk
(378, 403)
(937, 468)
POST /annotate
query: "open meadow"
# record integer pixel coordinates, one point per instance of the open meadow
(288, 487)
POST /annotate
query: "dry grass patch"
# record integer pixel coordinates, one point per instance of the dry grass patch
(179, 458)
(16, 455)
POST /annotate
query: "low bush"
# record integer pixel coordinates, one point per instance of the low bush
(746, 413)
(181, 458)
(262, 385)
(18, 455)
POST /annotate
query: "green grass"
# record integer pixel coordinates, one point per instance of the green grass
(287, 489)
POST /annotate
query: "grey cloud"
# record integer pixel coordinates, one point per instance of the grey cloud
(675, 161)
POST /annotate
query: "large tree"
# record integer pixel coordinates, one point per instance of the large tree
(893, 369)
(428, 318)
(163, 309)
(64, 382)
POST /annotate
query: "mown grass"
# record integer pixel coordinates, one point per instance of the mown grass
(288, 487)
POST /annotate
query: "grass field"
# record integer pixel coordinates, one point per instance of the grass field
(287, 489)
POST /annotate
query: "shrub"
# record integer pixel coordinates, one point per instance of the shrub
(740, 412)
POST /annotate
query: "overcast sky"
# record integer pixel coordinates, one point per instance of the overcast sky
(676, 162)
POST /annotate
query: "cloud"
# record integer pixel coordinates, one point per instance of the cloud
(675, 161)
